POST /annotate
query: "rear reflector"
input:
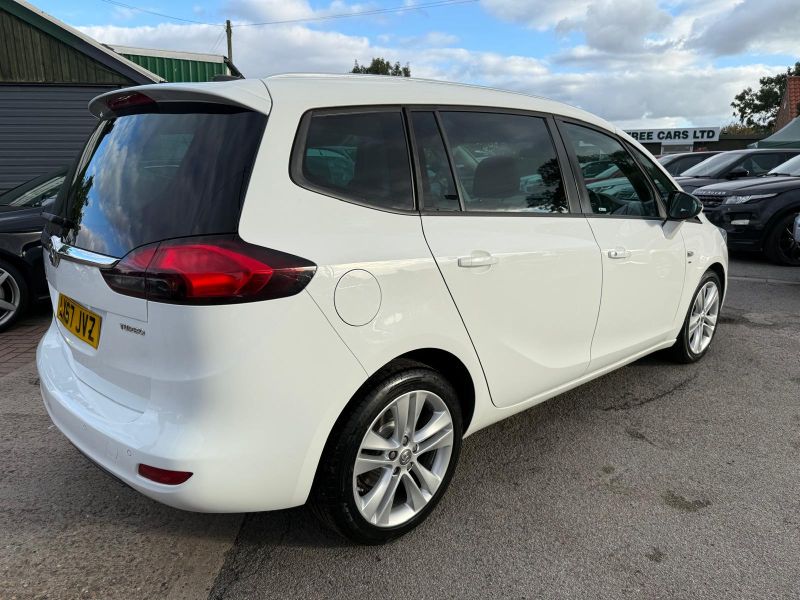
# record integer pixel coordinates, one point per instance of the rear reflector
(209, 270)
(164, 476)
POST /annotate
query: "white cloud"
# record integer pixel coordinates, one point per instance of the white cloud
(768, 26)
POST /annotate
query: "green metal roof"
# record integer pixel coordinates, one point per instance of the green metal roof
(179, 69)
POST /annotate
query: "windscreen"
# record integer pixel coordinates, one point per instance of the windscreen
(790, 167)
(710, 167)
(155, 176)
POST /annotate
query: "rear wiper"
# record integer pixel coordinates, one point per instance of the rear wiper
(58, 220)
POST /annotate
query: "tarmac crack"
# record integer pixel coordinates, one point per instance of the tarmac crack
(627, 405)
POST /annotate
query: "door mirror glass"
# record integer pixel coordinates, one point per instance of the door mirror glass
(738, 172)
(682, 206)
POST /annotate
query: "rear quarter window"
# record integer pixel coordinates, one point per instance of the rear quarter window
(359, 157)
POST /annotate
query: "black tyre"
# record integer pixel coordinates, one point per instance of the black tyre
(701, 321)
(14, 295)
(390, 458)
(780, 245)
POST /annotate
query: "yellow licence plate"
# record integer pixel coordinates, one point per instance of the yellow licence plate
(80, 321)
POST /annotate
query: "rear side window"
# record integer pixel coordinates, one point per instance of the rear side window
(505, 163)
(438, 186)
(151, 177)
(359, 157)
(758, 164)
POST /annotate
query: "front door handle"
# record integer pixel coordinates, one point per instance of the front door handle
(481, 260)
(619, 253)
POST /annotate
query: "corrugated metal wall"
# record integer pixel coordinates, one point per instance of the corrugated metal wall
(28, 55)
(177, 70)
(41, 128)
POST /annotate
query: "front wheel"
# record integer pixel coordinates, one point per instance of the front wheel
(390, 458)
(780, 245)
(700, 325)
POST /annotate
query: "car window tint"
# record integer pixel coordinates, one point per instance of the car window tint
(505, 163)
(663, 183)
(361, 157)
(436, 178)
(622, 189)
(40, 194)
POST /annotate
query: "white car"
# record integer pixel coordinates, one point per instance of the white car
(312, 288)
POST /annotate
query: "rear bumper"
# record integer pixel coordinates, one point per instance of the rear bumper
(247, 451)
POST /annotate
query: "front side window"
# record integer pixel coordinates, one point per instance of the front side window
(663, 183)
(360, 157)
(620, 190)
(505, 163)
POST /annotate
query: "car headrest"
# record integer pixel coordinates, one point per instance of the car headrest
(496, 177)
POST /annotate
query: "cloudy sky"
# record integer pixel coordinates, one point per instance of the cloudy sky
(638, 63)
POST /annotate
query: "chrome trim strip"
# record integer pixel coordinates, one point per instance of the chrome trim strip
(81, 256)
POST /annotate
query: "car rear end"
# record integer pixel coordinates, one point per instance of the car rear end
(179, 353)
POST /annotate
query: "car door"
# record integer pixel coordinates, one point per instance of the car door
(517, 255)
(643, 255)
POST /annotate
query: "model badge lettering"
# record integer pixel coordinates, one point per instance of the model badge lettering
(130, 329)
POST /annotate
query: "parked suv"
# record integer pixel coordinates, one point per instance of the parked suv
(736, 164)
(314, 287)
(758, 214)
(677, 163)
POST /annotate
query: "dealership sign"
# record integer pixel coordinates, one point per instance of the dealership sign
(678, 135)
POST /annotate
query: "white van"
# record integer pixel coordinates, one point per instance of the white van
(314, 287)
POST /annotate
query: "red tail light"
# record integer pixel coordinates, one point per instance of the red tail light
(130, 101)
(164, 476)
(209, 270)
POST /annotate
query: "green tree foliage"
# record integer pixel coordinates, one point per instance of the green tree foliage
(758, 108)
(381, 66)
(736, 128)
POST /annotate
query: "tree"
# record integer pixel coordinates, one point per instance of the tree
(759, 108)
(381, 66)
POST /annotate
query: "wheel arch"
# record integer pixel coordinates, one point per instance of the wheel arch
(779, 214)
(719, 269)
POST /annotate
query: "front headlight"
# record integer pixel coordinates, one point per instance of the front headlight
(743, 199)
(723, 233)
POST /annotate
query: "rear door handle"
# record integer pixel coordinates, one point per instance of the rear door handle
(484, 260)
(619, 253)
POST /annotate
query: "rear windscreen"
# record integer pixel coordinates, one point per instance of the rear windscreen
(151, 177)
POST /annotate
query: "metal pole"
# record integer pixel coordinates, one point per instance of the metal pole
(229, 33)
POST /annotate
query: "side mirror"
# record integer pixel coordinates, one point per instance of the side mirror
(682, 206)
(738, 172)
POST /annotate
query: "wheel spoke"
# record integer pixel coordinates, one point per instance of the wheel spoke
(3, 276)
(437, 422)
(370, 503)
(373, 441)
(711, 296)
(430, 481)
(366, 463)
(439, 440)
(384, 509)
(416, 498)
(6, 305)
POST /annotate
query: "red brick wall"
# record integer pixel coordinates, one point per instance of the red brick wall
(788, 108)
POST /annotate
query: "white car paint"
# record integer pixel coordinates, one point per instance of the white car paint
(245, 395)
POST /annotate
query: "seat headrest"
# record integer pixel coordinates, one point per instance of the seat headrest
(496, 177)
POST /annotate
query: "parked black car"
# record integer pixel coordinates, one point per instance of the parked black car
(759, 214)
(21, 269)
(677, 163)
(736, 164)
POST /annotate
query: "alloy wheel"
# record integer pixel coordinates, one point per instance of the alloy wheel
(703, 318)
(10, 296)
(403, 458)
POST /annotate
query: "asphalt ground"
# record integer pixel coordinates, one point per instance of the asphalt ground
(656, 481)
